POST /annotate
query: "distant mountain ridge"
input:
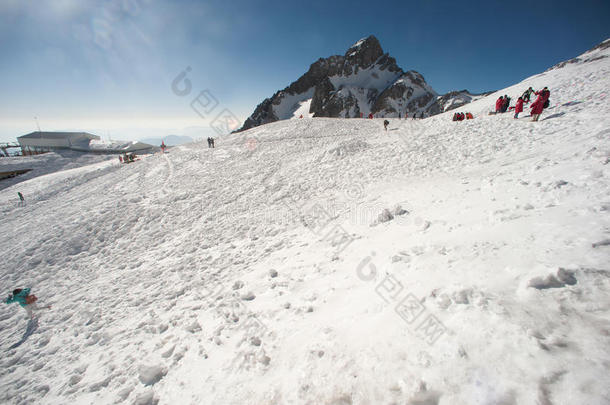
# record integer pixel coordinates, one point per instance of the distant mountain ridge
(363, 81)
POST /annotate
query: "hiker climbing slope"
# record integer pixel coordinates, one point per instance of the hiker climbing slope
(26, 300)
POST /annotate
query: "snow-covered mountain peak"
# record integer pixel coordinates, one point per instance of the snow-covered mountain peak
(363, 81)
(365, 52)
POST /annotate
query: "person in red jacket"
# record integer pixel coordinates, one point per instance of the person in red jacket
(499, 103)
(540, 103)
(537, 108)
(543, 95)
(518, 107)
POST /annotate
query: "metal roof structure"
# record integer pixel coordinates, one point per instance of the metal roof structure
(58, 135)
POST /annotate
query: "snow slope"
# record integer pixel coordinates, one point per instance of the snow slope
(303, 109)
(291, 104)
(48, 163)
(261, 272)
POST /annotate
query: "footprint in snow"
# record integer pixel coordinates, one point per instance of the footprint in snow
(605, 242)
(562, 278)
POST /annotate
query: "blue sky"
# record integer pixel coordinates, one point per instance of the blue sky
(107, 66)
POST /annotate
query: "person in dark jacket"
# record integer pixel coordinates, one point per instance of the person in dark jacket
(21, 199)
(545, 93)
(527, 94)
(385, 124)
(505, 103)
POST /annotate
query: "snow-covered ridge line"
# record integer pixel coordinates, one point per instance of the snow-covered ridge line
(593, 54)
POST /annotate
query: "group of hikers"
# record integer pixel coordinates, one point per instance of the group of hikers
(460, 116)
(210, 142)
(127, 158)
(371, 116)
(541, 102)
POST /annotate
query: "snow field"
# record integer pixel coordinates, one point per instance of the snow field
(207, 275)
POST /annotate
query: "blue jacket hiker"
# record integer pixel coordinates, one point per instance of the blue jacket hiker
(23, 297)
(19, 295)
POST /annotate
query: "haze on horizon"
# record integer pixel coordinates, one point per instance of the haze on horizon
(107, 67)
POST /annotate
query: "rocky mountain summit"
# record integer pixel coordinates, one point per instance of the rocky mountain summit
(457, 99)
(363, 81)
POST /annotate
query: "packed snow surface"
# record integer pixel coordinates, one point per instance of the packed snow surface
(51, 162)
(303, 109)
(326, 261)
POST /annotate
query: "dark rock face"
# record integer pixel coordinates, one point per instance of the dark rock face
(363, 80)
(321, 95)
(399, 97)
(456, 99)
(263, 114)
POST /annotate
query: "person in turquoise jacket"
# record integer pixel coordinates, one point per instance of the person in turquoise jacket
(23, 297)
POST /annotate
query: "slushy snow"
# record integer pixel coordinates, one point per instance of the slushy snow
(326, 261)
